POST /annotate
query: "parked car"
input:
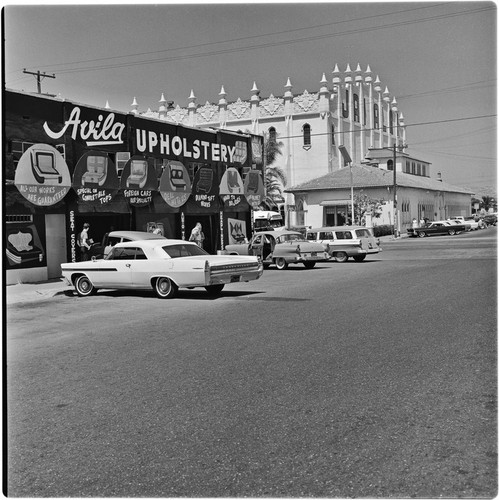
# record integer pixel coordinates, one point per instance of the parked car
(473, 222)
(469, 222)
(459, 227)
(281, 248)
(436, 228)
(163, 265)
(343, 242)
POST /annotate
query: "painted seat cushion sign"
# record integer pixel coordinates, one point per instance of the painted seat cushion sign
(231, 187)
(254, 188)
(42, 175)
(95, 179)
(175, 185)
(139, 181)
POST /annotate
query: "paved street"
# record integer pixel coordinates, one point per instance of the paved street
(373, 379)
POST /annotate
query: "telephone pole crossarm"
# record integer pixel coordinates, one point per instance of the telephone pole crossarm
(39, 77)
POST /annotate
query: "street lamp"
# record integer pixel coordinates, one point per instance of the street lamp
(347, 159)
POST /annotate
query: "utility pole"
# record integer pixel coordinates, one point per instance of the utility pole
(39, 77)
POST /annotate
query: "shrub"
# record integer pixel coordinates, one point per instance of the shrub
(382, 230)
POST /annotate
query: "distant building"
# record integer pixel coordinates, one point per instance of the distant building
(353, 110)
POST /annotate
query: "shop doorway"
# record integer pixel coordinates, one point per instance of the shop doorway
(100, 224)
(211, 230)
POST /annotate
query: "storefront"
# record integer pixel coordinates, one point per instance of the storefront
(68, 164)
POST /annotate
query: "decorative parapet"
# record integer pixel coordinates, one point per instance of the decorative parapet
(178, 115)
(271, 106)
(207, 113)
(239, 109)
(306, 102)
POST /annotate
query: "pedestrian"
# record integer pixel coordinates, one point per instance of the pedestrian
(414, 223)
(197, 235)
(85, 242)
(421, 222)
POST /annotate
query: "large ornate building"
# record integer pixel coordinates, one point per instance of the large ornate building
(354, 110)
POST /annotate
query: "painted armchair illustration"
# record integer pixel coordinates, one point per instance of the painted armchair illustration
(43, 167)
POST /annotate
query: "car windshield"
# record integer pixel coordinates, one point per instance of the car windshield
(289, 237)
(183, 250)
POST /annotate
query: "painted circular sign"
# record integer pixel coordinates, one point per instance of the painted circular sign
(42, 175)
(95, 179)
(175, 185)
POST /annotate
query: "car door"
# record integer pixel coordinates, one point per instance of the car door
(116, 270)
(256, 245)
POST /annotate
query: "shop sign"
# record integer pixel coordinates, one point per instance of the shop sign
(237, 231)
(254, 188)
(42, 175)
(205, 188)
(231, 187)
(95, 179)
(239, 145)
(138, 181)
(103, 130)
(175, 185)
(257, 150)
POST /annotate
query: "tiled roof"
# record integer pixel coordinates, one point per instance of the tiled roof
(365, 176)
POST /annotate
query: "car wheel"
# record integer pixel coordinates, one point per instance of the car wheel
(165, 288)
(359, 258)
(452, 232)
(281, 263)
(84, 286)
(341, 256)
(421, 234)
(214, 289)
(309, 265)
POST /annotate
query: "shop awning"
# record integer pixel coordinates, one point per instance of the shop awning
(334, 203)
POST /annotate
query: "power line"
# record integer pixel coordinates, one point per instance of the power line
(274, 44)
(273, 33)
(378, 130)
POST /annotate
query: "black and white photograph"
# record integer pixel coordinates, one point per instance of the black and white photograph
(250, 249)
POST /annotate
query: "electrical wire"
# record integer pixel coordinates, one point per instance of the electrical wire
(275, 44)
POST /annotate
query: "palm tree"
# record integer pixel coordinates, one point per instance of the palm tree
(275, 178)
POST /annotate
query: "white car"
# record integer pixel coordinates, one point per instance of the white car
(161, 265)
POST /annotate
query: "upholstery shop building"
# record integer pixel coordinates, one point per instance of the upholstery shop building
(66, 164)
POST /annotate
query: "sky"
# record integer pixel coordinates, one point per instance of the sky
(438, 59)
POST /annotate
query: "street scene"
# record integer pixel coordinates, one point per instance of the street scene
(250, 250)
(373, 379)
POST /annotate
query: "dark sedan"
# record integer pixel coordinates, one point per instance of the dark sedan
(437, 228)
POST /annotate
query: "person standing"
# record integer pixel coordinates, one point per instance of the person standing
(85, 242)
(197, 235)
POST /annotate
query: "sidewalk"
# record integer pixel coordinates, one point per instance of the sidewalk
(33, 292)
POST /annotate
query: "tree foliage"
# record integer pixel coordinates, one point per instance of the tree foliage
(364, 204)
(275, 177)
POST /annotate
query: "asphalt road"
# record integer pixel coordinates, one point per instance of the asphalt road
(373, 379)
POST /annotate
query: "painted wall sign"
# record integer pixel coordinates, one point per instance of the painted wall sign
(99, 130)
(237, 231)
(95, 179)
(42, 175)
(205, 188)
(254, 188)
(231, 187)
(138, 181)
(175, 185)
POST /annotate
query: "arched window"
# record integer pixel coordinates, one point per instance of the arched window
(389, 165)
(272, 134)
(356, 110)
(307, 141)
(333, 140)
(390, 117)
(345, 107)
(376, 116)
